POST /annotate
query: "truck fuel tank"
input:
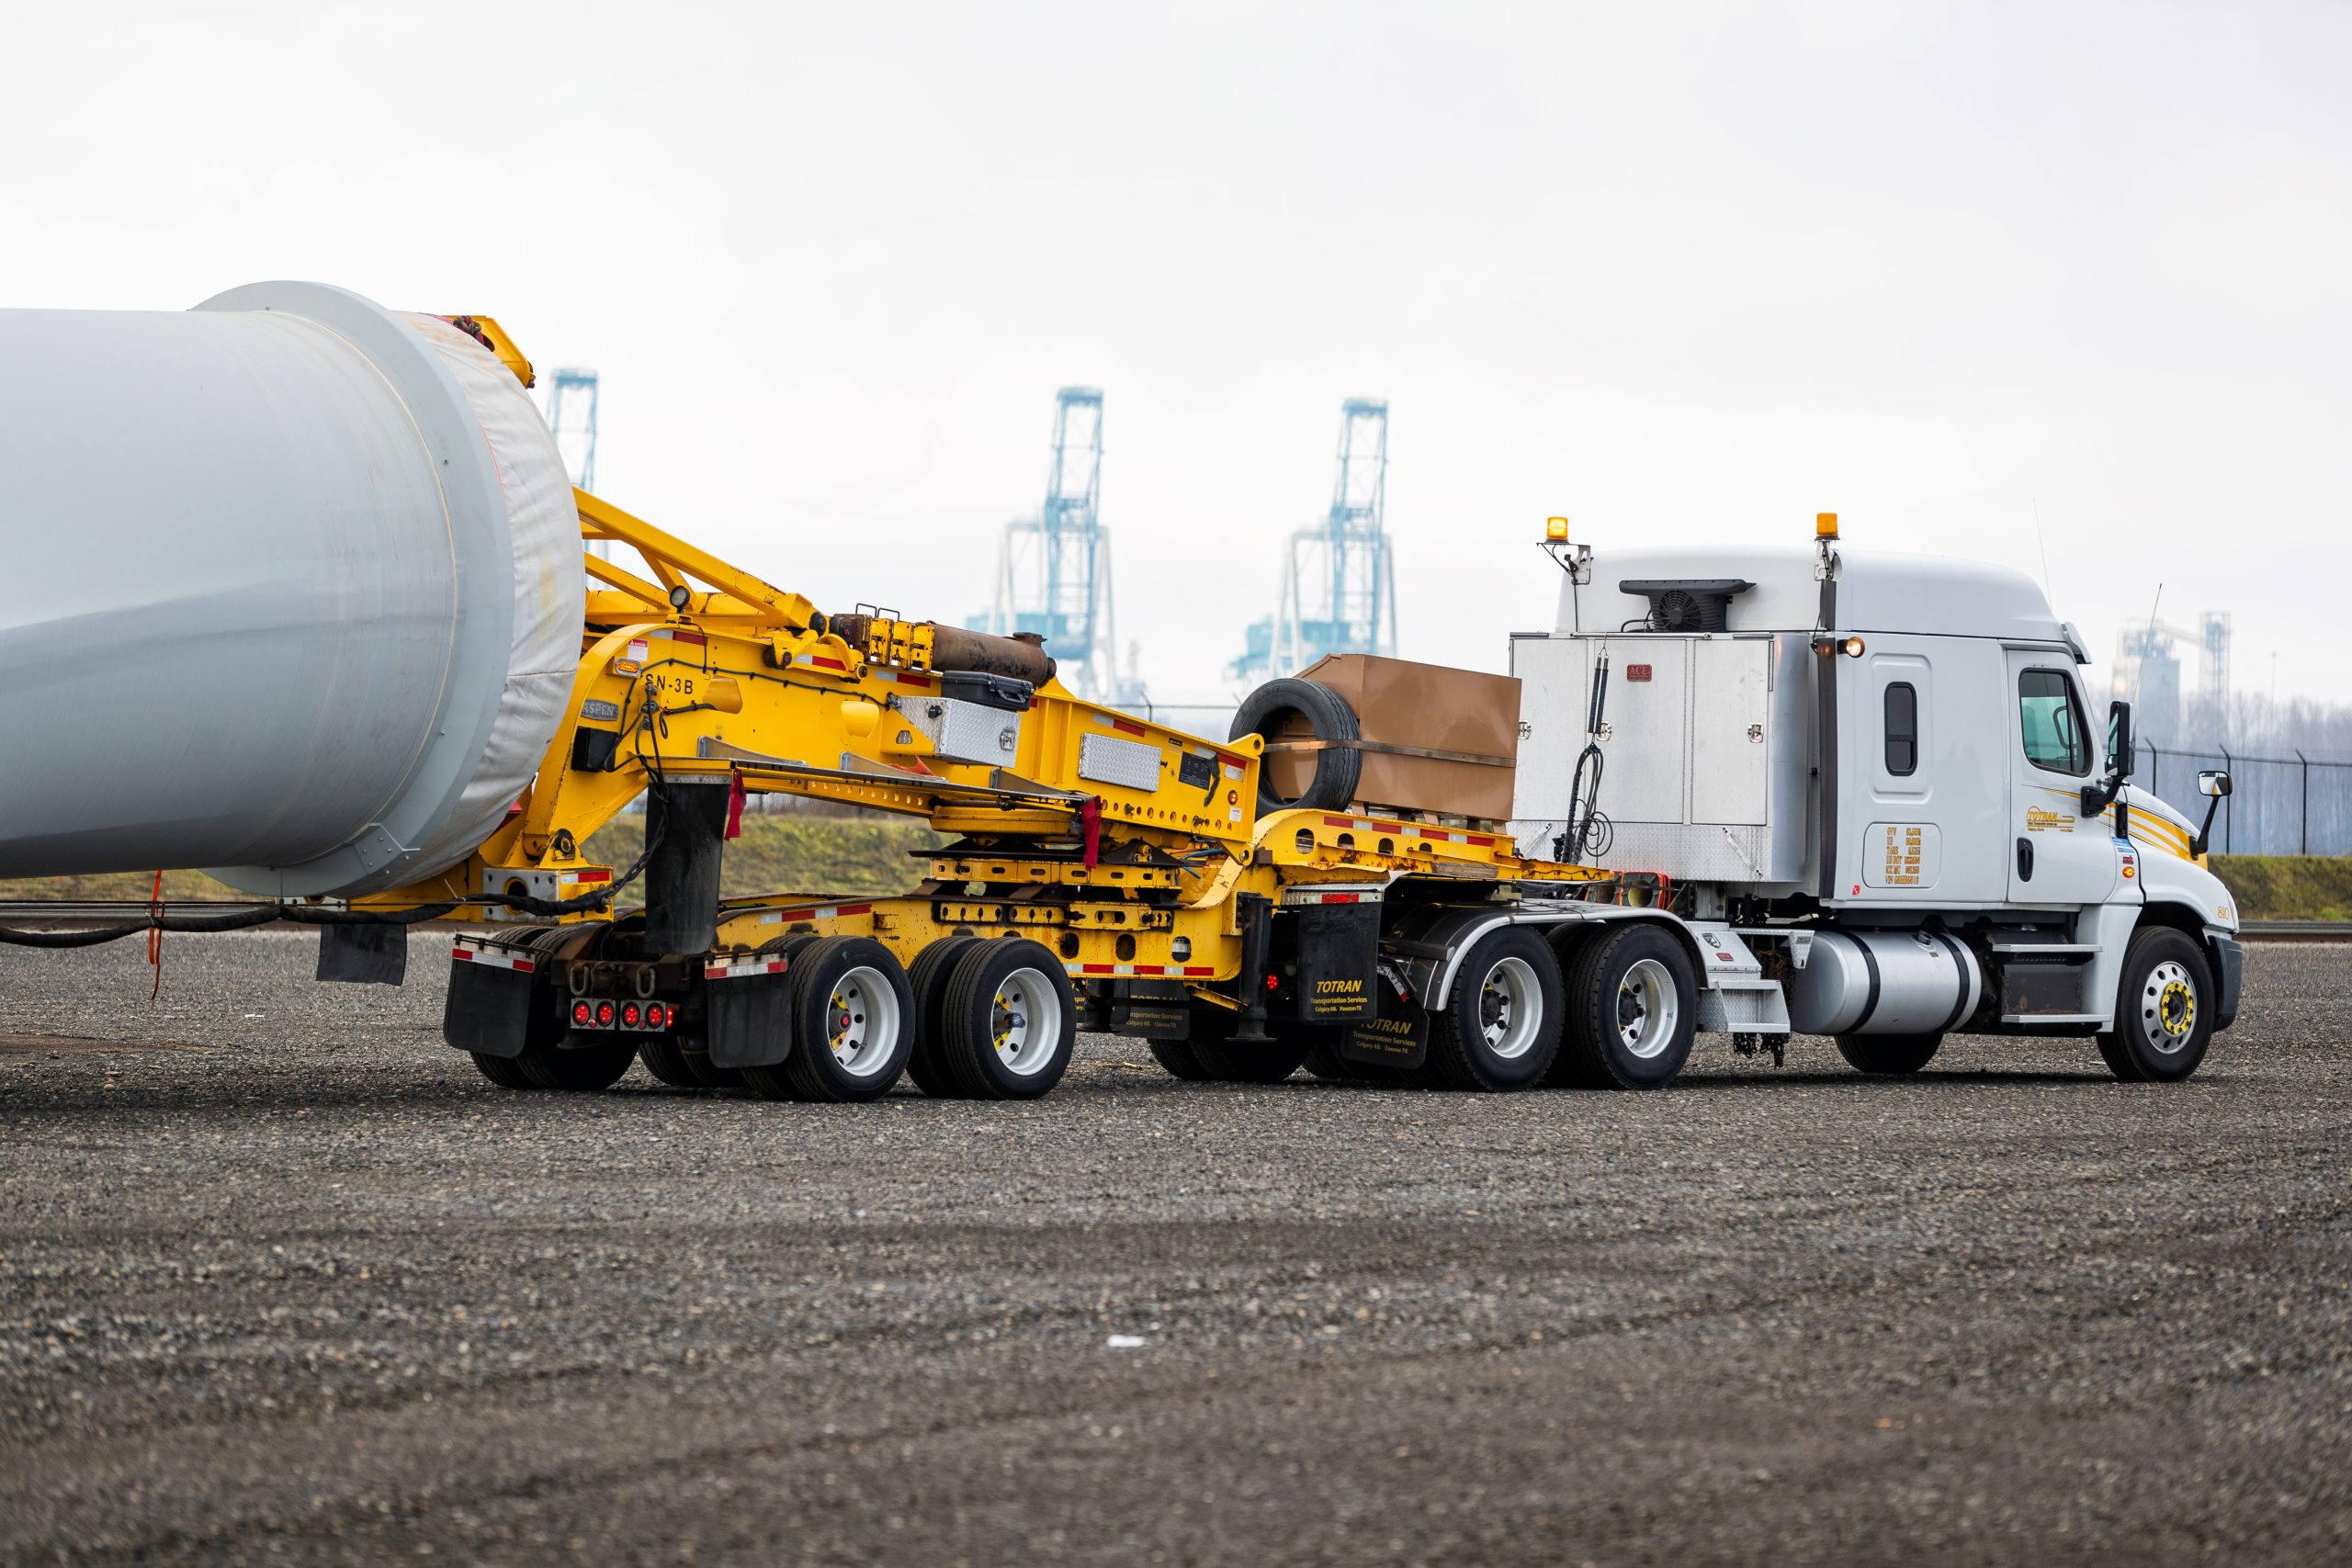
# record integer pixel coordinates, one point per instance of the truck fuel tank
(1883, 982)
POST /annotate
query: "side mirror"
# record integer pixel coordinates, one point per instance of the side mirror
(2214, 784)
(2099, 793)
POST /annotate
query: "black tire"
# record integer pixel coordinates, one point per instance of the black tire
(1888, 1055)
(506, 1072)
(1501, 1029)
(1323, 1060)
(2164, 1010)
(582, 1069)
(928, 979)
(1224, 1060)
(1179, 1057)
(666, 1061)
(996, 1041)
(1594, 1052)
(849, 992)
(542, 1024)
(772, 1082)
(1293, 710)
(708, 1076)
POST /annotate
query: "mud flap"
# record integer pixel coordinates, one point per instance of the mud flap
(488, 1010)
(1398, 1036)
(1338, 946)
(1153, 1009)
(369, 954)
(747, 1016)
(686, 823)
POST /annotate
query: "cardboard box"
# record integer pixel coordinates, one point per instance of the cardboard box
(1406, 711)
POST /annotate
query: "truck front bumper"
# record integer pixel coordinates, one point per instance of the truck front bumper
(2229, 978)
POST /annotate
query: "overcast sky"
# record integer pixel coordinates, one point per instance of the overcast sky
(1681, 273)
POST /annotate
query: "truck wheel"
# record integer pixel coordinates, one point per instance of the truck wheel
(584, 1069)
(542, 1024)
(853, 1019)
(772, 1082)
(503, 1071)
(1323, 1062)
(666, 1060)
(1635, 1011)
(708, 1076)
(1223, 1061)
(1294, 710)
(1010, 1023)
(928, 979)
(2164, 1016)
(1179, 1058)
(1887, 1055)
(1502, 1028)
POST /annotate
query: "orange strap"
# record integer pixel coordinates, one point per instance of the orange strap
(155, 935)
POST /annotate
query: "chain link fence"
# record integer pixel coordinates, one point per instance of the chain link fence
(2293, 805)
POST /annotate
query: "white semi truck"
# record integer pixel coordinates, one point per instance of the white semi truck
(1866, 794)
(1752, 793)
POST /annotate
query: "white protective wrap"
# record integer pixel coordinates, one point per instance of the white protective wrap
(543, 528)
(290, 589)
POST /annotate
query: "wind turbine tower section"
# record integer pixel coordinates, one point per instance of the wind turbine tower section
(1054, 570)
(1337, 592)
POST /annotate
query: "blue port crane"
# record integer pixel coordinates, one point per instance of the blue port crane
(1337, 592)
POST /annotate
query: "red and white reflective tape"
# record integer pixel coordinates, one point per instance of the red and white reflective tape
(920, 683)
(824, 912)
(1123, 725)
(747, 966)
(1334, 896)
(491, 957)
(1183, 971)
(1412, 831)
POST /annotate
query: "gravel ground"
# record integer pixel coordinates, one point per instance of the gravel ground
(282, 1278)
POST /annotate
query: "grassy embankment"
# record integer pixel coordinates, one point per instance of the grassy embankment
(775, 854)
(831, 854)
(2289, 887)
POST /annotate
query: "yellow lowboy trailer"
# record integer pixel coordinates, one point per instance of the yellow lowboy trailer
(1103, 870)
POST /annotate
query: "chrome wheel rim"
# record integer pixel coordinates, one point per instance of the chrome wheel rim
(863, 1022)
(1510, 1009)
(1025, 1021)
(2169, 1009)
(1648, 1007)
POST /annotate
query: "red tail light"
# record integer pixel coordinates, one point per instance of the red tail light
(657, 1016)
(631, 1015)
(603, 1015)
(583, 1014)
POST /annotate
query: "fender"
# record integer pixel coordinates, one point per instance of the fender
(1432, 942)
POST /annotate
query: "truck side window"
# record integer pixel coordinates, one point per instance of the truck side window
(2051, 724)
(1902, 729)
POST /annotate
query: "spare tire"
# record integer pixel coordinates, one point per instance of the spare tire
(1291, 710)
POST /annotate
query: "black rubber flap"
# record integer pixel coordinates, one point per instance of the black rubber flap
(367, 955)
(749, 1020)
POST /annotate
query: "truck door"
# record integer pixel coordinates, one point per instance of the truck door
(2056, 857)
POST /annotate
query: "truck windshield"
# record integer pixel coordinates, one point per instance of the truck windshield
(2051, 723)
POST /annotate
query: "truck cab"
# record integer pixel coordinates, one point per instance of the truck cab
(1885, 771)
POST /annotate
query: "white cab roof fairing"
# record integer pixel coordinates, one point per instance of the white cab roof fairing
(1878, 590)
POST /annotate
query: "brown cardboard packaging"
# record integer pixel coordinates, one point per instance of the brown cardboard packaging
(1429, 708)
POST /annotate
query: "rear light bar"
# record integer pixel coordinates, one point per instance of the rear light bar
(603, 1013)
